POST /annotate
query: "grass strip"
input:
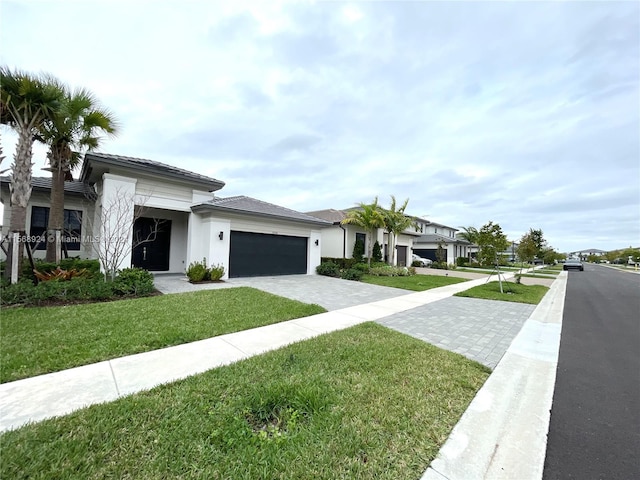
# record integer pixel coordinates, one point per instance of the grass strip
(366, 402)
(48, 339)
(417, 283)
(513, 292)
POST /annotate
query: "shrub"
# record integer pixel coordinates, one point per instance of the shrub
(328, 269)
(197, 271)
(17, 293)
(216, 272)
(389, 271)
(440, 265)
(26, 293)
(416, 263)
(351, 274)
(462, 261)
(60, 274)
(340, 262)
(363, 267)
(133, 281)
(376, 255)
(358, 251)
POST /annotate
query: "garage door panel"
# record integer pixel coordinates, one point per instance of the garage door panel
(259, 254)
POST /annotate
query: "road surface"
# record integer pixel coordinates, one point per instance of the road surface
(594, 431)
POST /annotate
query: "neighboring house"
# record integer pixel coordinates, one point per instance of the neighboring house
(421, 239)
(248, 237)
(338, 241)
(433, 235)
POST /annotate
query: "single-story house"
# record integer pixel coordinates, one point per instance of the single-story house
(168, 217)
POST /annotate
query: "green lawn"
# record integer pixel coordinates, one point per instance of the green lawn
(48, 339)
(512, 292)
(365, 402)
(414, 282)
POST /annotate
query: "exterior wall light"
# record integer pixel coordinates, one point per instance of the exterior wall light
(221, 235)
(317, 242)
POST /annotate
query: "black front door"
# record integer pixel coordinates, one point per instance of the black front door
(151, 241)
(402, 256)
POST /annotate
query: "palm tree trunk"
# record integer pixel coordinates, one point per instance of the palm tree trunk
(20, 195)
(56, 212)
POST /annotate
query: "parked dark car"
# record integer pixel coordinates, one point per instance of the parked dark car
(573, 264)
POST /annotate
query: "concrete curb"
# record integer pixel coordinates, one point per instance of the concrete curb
(503, 433)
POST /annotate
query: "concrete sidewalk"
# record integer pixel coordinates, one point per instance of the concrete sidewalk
(34, 399)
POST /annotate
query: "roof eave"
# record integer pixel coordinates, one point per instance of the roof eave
(210, 186)
(204, 207)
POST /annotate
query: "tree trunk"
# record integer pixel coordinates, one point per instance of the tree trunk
(56, 212)
(20, 195)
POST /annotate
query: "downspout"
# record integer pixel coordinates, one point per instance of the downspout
(344, 240)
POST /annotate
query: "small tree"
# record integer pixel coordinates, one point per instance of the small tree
(441, 252)
(527, 248)
(491, 241)
(116, 237)
(358, 250)
(377, 252)
(539, 241)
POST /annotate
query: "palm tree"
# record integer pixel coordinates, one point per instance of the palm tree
(471, 235)
(395, 222)
(75, 127)
(26, 101)
(370, 218)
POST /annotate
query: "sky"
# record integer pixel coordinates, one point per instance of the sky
(526, 114)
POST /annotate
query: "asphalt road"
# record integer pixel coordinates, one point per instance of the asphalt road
(594, 431)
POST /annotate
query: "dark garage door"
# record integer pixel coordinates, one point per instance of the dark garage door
(259, 254)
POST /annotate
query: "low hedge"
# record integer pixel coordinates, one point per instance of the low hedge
(130, 282)
(341, 262)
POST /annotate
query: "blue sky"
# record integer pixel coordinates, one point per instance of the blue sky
(522, 113)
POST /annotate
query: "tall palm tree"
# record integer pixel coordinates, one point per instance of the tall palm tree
(395, 222)
(26, 101)
(75, 128)
(471, 235)
(370, 218)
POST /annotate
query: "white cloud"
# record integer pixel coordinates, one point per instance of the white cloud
(524, 113)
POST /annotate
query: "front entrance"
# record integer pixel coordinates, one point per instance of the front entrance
(151, 242)
(402, 256)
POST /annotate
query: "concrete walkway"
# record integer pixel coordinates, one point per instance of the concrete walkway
(516, 392)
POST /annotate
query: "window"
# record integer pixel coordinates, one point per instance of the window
(70, 235)
(362, 237)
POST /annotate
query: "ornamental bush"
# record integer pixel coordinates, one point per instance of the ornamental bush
(328, 269)
(197, 271)
(133, 281)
